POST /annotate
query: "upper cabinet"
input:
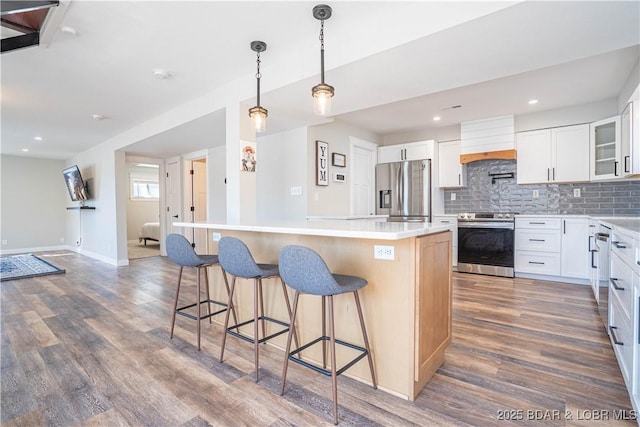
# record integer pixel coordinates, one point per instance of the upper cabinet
(451, 173)
(404, 152)
(605, 149)
(630, 139)
(553, 155)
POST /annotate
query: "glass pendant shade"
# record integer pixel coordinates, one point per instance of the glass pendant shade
(259, 118)
(322, 95)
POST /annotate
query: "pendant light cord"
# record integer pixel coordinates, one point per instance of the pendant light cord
(322, 51)
(258, 75)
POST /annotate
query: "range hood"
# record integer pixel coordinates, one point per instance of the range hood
(492, 138)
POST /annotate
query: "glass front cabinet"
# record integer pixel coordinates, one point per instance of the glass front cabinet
(605, 149)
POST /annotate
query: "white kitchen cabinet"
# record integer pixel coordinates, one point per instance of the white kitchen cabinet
(624, 308)
(451, 173)
(593, 258)
(575, 258)
(553, 155)
(553, 246)
(605, 149)
(411, 151)
(537, 246)
(630, 139)
(452, 222)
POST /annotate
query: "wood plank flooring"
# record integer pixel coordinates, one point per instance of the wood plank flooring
(92, 347)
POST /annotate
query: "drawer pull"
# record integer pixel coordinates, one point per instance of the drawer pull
(536, 262)
(613, 281)
(536, 223)
(537, 240)
(619, 245)
(613, 335)
(445, 221)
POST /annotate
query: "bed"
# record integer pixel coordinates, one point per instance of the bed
(150, 231)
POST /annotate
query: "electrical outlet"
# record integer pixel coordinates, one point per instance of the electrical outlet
(62, 240)
(4, 242)
(536, 194)
(453, 196)
(384, 252)
(576, 192)
(295, 191)
(216, 236)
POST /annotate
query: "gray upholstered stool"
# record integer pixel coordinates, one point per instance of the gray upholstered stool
(305, 271)
(236, 259)
(182, 253)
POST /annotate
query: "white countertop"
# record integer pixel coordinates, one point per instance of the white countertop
(623, 223)
(332, 228)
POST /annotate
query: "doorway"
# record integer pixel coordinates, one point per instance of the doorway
(143, 208)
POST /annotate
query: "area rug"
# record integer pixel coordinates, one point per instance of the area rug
(25, 265)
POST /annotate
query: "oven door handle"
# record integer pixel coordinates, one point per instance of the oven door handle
(499, 225)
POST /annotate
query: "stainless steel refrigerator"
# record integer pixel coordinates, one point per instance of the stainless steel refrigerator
(403, 190)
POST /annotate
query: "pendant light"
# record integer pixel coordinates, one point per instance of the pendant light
(322, 93)
(258, 114)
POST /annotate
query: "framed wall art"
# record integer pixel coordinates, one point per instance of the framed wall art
(322, 163)
(339, 160)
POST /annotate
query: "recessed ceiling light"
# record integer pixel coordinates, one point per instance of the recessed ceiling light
(69, 30)
(161, 74)
(37, 138)
(533, 101)
(436, 118)
(98, 117)
(25, 149)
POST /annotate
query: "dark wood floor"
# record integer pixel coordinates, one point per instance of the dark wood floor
(91, 347)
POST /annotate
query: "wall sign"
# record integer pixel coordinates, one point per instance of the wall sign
(322, 163)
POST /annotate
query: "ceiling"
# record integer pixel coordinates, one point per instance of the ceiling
(394, 65)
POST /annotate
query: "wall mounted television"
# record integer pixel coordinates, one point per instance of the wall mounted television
(75, 184)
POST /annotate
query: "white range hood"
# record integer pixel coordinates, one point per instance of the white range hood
(492, 138)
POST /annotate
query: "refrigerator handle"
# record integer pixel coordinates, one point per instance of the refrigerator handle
(399, 188)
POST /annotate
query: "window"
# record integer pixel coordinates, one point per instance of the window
(144, 188)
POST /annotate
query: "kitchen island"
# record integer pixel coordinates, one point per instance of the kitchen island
(406, 304)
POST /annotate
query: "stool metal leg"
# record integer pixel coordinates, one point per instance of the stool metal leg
(175, 303)
(226, 318)
(257, 285)
(332, 347)
(264, 328)
(324, 332)
(288, 347)
(366, 339)
(198, 304)
(226, 284)
(206, 285)
(286, 300)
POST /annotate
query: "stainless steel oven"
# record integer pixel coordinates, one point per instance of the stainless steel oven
(486, 243)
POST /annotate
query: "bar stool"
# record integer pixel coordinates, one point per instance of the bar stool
(236, 259)
(305, 271)
(182, 253)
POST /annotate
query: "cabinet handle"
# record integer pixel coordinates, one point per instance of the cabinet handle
(619, 245)
(554, 173)
(564, 226)
(537, 240)
(536, 262)
(593, 258)
(627, 169)
(445, 221)
(615, 168)
(613, 335)
(613, 281)
(537, 223)
(459, 179)
(548, 176)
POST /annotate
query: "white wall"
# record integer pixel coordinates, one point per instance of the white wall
(573, 115)
(33, 204)
(282, 164)
(629, 88)
(216, 186)
(334, 198)
(440, 134)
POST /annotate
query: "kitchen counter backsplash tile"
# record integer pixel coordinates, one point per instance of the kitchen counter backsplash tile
(596, 198)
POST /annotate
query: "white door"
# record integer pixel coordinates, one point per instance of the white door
(199, 189)
(174, 207)
(362, 164)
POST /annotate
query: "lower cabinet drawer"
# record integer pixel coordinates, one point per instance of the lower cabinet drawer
(537, 263)
(621, 335)
(538, 240)
(622, 276)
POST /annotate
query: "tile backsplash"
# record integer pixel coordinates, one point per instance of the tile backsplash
(596, 198)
